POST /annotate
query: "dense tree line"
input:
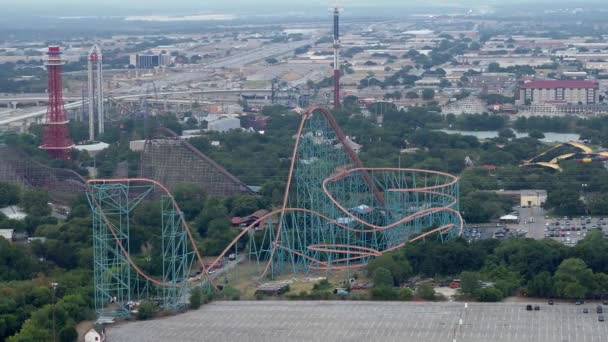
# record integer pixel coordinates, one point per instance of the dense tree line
(490, 270)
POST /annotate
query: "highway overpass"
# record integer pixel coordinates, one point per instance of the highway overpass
(77, 104)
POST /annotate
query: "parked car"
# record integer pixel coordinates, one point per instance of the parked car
(529, 307)
(585, 310)
(550, 301)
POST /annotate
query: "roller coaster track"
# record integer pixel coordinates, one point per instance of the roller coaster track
(353, 253)
(124, 248)
(554, 162)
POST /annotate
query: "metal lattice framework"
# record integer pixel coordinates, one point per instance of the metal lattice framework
(336, 215)
(56, 137)
(118, 279)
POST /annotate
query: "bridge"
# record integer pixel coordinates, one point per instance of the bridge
(79, 103)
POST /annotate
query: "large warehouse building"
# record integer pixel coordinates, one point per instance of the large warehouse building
(566, 91)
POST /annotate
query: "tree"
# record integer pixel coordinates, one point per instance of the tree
(490, 294)
(541, 285)
(428, 94)
(405, 294)
(506, 133)
(384, 292)
(9, 194)
(146, 310)
(537, 135)
(244, 205)
(196, 298)
(35, 203)
(494, 67)
(272, 60)
(426, 291)
(411, 95)
(68, 334)
(398, 266)
(469, 284)
(382, 277)
(190, 199)
(573, 279)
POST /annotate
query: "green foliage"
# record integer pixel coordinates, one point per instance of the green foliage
(190, 199)
(482, 206)
(382, 277)
(470, 284)
(428, 94)
(405, 294)
(196, 297)
(490, 294)
(68, 334)
(147, 310)
(35, 203)
(384, 292)
(15, 263)
(573, 279)
(9, 194)
(425, 291)
(541, 285)
(231, 293)
(396, 264)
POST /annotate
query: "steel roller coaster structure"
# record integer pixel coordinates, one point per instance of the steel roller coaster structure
(335, 215)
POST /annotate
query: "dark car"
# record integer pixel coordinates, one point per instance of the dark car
(536, 308)
(579, 302)
(529, 307)
(600, 318)
(599, 309)
(585, 310)
(550, 301)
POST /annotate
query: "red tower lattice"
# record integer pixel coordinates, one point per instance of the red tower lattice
(56, 138)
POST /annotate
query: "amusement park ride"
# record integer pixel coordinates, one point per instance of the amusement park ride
(336, 214)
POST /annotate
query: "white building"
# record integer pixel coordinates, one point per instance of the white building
(224, 125)
(13, 212)
(96, 334)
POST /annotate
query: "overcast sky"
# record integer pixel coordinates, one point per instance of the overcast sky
(134, 7)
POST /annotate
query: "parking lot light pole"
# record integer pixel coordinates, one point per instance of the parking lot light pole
(54, 286)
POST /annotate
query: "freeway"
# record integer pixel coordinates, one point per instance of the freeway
(77, 104)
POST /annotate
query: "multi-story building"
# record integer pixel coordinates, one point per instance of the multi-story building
(149, 61)
(566, 91)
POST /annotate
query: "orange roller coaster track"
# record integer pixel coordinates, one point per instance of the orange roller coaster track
(335, 214)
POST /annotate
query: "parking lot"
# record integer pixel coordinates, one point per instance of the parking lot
(370, 321)
(571, 230)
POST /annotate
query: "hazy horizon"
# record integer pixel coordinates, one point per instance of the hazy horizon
(152, 7)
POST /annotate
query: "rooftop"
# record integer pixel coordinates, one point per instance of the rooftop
(13, 212)
(551, 84)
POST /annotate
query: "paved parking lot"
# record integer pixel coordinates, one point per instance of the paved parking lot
(369, 321)
(571, 230)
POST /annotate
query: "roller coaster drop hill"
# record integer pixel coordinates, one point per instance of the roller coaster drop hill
(336, 214)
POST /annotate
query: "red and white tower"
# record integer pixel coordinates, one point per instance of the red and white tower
(336, 57)
(56, 138)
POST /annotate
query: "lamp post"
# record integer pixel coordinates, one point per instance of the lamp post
(584, 187)
(54, 286)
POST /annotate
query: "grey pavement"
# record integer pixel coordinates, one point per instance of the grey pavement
(369, 321)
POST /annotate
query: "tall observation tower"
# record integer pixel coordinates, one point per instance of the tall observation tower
(95, 88)
(56, 138)
(336, 57)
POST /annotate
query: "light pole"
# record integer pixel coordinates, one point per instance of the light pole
(584, 187)
(54, 286)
